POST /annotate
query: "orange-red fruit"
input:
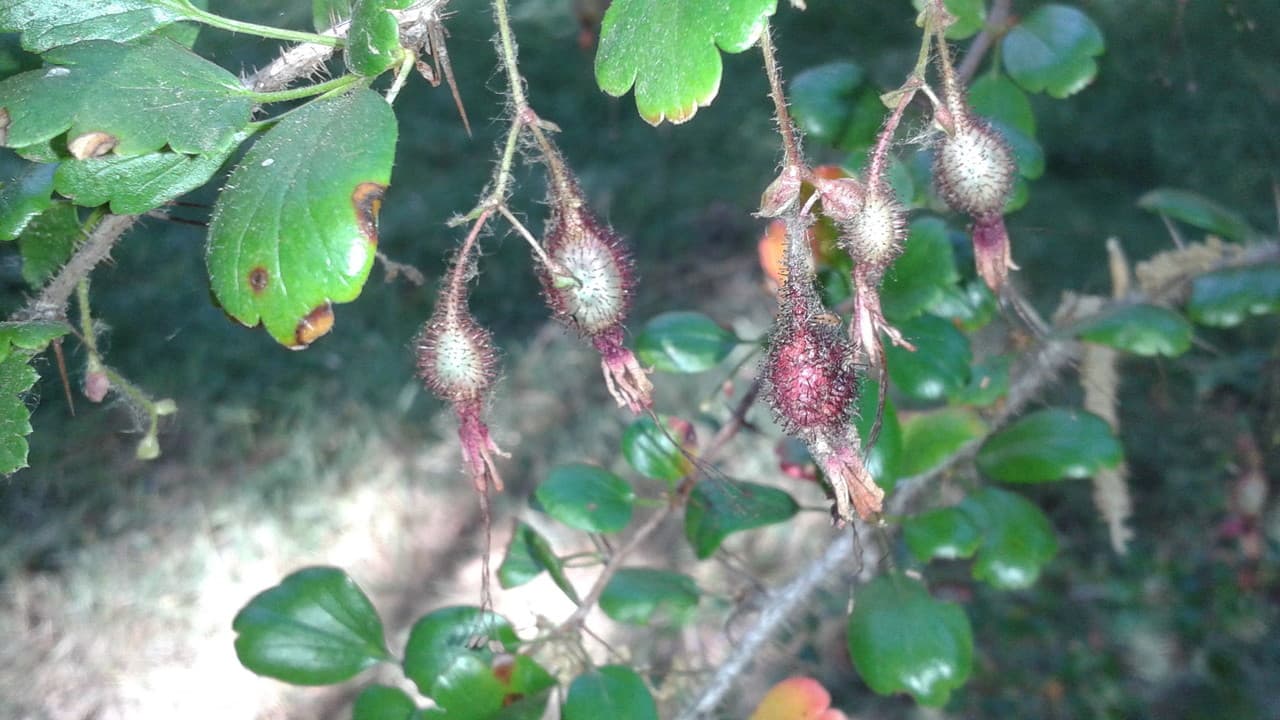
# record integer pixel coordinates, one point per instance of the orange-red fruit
(974, 169)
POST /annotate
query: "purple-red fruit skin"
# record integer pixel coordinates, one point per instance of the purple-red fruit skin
(811, 381)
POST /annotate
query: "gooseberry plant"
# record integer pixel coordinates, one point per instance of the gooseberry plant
(122, 118)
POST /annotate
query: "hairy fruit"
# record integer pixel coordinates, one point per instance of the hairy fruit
(974, 169)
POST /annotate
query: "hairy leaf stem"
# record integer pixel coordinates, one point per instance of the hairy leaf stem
(224, 23)
(791, 151)
(328, 86)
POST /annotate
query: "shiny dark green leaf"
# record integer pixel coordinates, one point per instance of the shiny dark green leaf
(648, 596)
(1139, 329)
(670, 51)
(528, 554)
(295, 228)
(611, 692)
(884, 459)
(822, 99)
(683, 342)
(988, 382)
(1050, 444)
(315, 628)
(1226, 297)
(719, 508)
(939, 368)
(971, 307)
(900, 179)
(587, 497)
(145, 96)
(903, 640)
(381, 702)
(31, 336)
(472, 690)
(651, 450)
(948, 533)
(1052, 49)
(921, 274)
(451, 641)
(928, 439)
(24, 197)
(1017, 538)
(1197, 211)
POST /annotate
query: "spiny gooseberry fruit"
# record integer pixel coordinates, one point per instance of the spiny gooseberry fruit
(811, 384)
(874, 235)
(458, 363)
(974, 168)
(974, 171)
(588, 283)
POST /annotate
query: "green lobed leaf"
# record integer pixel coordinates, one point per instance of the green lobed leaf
(884, 459)
(454, 640)
(970, 16)
(185, 34)
(48, 241)
(1197, 211)
(373, 39)
(17, 377)
(948, 533)
(717, 509)
(295, 228)
(1052, 50)
(648, 596)
(137, 184)
(31, 336)
(683, 342)
(46, 24)
(930, 438)
(24, 197)
(381, 702)
(1050, 444)
(1145, 330)
(315, 628)
(472, 690)
(919, 276)
(670, 51)
(612, 692)
(1017, 538)
(146, 95)
(586, 497)
(1226, 297)
(939, 368)
(903, 640)
(822, 99)
(988, 382)
(653, 452)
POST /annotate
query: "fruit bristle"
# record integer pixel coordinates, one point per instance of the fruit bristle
(974, 168)
(875, 235)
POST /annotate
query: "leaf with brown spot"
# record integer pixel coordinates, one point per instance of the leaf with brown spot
(295, 229)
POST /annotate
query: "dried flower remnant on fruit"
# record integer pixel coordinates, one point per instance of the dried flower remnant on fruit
(590, 283)
(811, 384)
(458, 363)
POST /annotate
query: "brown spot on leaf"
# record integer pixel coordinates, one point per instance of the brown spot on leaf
(503, 667)
(258, 279)
(91, 145)
(511, 699)
(367, 200)
(4, 126)
(314, 325)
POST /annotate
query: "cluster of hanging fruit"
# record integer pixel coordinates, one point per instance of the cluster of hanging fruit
(813, 365)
